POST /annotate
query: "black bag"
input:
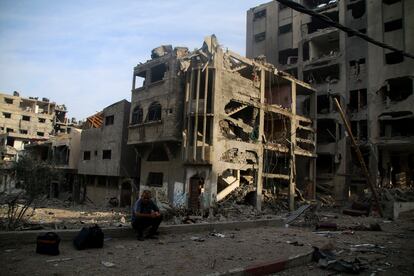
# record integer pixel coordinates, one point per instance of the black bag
(91, 237)
(48, 244)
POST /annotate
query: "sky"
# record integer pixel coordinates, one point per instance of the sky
(81, 53)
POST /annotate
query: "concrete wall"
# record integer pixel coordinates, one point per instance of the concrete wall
(108, 137)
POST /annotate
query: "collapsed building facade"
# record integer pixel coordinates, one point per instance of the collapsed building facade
(25, 121)
(373, 84)
(60, 152)
(107, 166)
(206, 122)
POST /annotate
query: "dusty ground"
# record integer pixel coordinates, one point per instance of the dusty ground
(57, 214)
(181, 255)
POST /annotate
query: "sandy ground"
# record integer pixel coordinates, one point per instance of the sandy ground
(181, 255)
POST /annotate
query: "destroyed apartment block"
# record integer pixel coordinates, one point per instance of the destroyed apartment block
(61, 153)
(107, 165)
(209, 121)
(25, 121)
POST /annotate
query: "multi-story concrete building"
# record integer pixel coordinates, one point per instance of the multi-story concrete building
(373, 84)
(107, 166)
(209, 121)
(24, 120)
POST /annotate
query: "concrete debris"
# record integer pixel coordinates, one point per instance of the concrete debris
(197, 239)
(218, 235)
(58, 260)
(326, 259)
(107, 264)
(161, 51)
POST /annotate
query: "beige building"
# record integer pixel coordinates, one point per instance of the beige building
(25, 120)
(206, 122)
(107, 166)
(374, 85)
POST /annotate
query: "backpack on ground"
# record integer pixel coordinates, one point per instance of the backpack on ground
(91, 237)
(48, 244)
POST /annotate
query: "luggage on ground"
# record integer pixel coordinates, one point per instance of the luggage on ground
(48, 244)
(91, 237)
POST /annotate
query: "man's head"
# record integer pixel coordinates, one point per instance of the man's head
(146, 196)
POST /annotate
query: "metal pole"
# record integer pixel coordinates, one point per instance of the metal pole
(359, 156)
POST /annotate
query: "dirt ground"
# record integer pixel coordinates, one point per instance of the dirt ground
(200, 254)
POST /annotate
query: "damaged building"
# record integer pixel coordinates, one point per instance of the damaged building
(24, 121)
(208, 121)
(107, 166)
(373, 84)
(61, 153)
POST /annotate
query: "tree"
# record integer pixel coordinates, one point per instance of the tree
(33, 180)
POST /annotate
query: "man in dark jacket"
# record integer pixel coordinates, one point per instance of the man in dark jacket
(145, 213)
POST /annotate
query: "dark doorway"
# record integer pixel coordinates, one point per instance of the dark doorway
(196, 185)
(126, 193)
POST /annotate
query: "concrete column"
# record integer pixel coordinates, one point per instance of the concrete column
(259, 175)
(195, 130)
(205, 116)
(292, 180)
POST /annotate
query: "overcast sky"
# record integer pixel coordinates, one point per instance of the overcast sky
(81, 53)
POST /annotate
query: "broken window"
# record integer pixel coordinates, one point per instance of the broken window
(42, 120)
(158, 153)
(398, 89)
(40, 133)
(393, 25)
(155, 179)
(394, 58)
(6, 115)
(154, 112)
(323, 104)
(288, 56)
(322, 74)
(323, 46)
(326, 131)
(109, 120)
(357, 9)
(137, 115)
(325, 164)
(86, 155)
(25, 118)
(357, 100)
(260, 37)
(259, 15)
(396, 124)
(139, 80)
(23, 131)
(285, 29)
(359, 130)
(8, 101)
(357, 66)
(10, 141)
(106, 154)
(158, 72)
